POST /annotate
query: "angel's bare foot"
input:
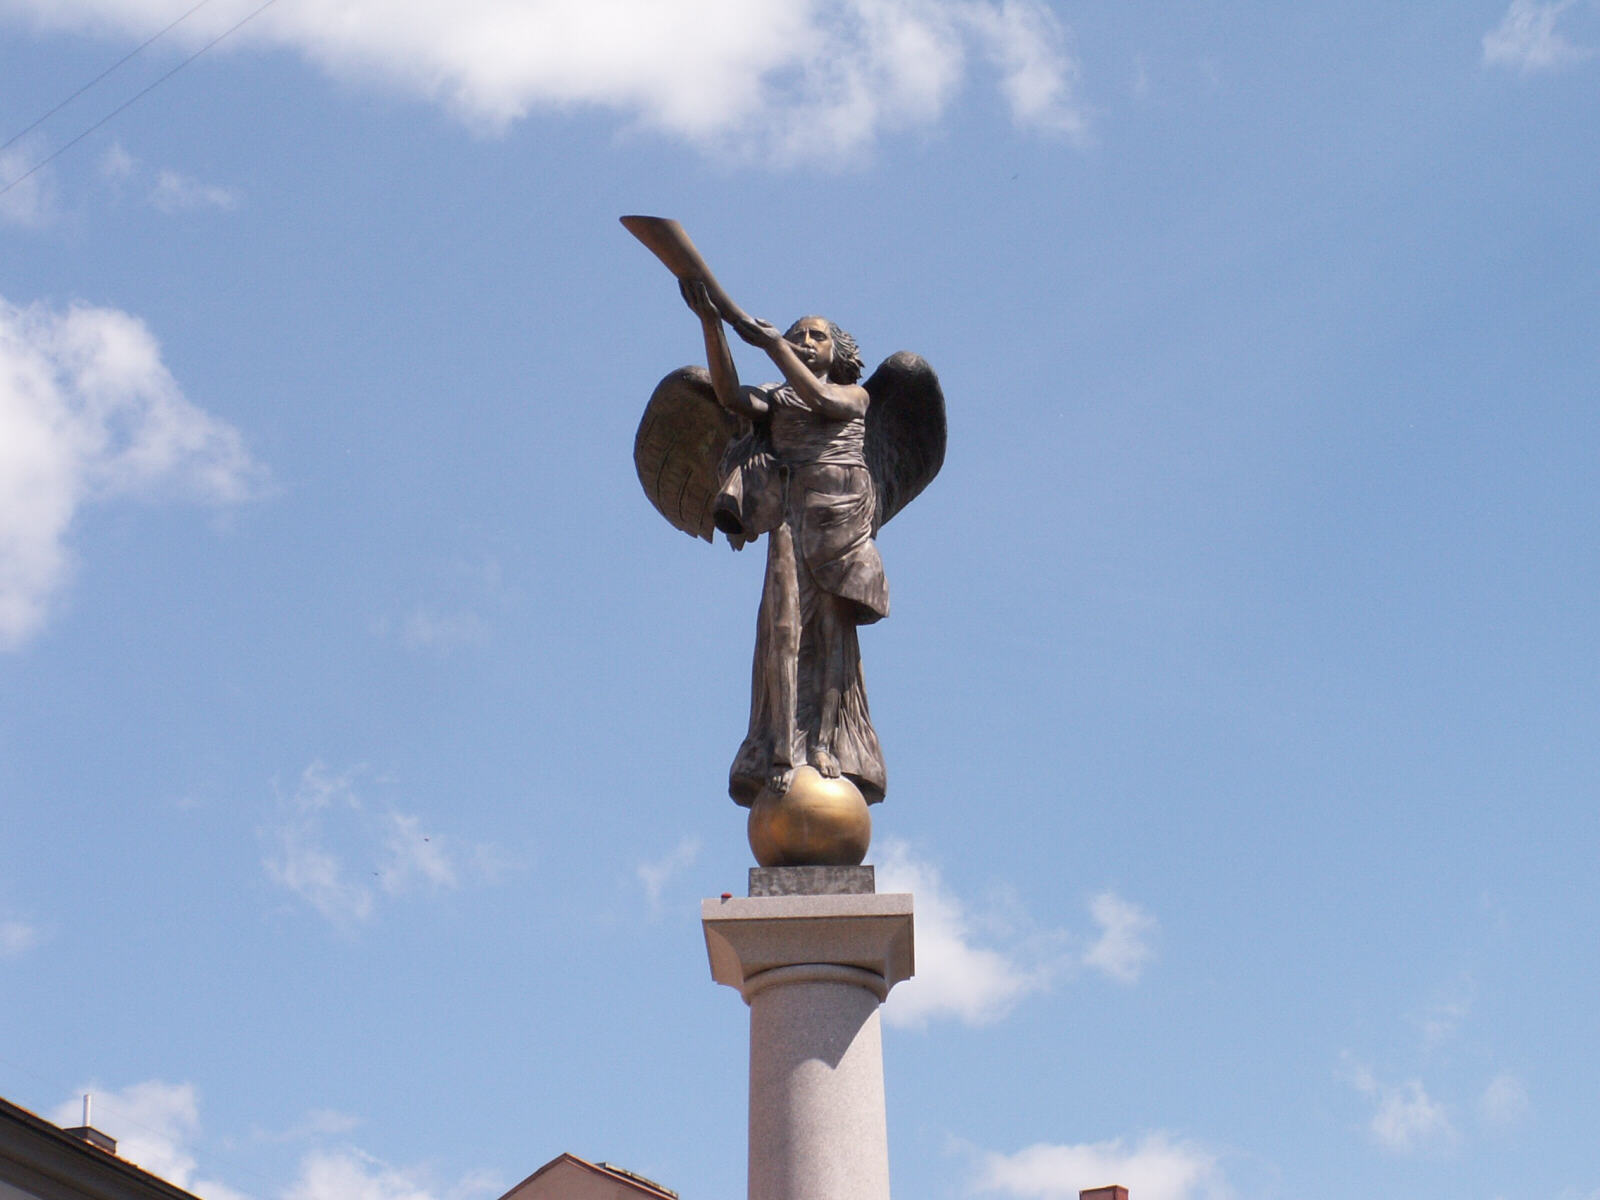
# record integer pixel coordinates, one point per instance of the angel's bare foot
(780, 779)
(826, 764)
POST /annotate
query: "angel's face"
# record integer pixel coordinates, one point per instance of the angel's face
(813, 344)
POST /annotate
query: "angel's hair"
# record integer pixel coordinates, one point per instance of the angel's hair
(847, 364)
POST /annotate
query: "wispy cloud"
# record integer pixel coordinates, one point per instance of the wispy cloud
(88, 412)
(117, 165)
(1504, 1102)
(351, 1174)
(1139, 86)
(17, 937)
(335, 853)
(1444, 1015)
(165, 189)
(656, 874)
(957, 975)
(788, 80)
(155, 1124)
(1527, 38)
(1157, 1167)
(175, 192)
(31, 204)
(318, 1123)
(411, 857)
(299, 859)
(1405, 1117)
(465, 590)
(435, 631)
(1123, 947)
(1039, 79)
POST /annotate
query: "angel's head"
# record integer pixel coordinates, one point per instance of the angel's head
(829, 351)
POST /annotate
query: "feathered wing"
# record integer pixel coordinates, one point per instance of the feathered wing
(679, 446)
(905, 431)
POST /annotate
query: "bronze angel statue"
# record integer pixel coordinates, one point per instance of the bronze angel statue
(818, 462)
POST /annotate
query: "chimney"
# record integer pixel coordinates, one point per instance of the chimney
(88, 1133)
(1112, 1192)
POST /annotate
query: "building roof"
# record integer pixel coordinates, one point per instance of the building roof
(569, 1177)
(46, 1161)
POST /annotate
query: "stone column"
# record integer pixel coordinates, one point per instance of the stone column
(813, 969)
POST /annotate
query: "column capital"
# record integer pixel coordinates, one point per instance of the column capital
(748, 936)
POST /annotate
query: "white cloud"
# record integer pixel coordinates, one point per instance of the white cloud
(154, 1123)
(956, 976)
(1123, 948)
(1504, 1102)
(340, 857)
(960, 976)
(1527, 39)
(782, 79)
(1405, 1118)
(1158, 1167)
(655, 876)
(17, 937)
(88, 412)
(31, 202)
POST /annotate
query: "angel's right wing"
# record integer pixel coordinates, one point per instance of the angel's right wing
(679, 447)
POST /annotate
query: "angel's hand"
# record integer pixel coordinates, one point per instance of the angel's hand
(760, 334)
(698, 298)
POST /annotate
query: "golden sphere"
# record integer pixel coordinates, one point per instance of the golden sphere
(816, 823)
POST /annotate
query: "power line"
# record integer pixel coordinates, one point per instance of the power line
(130, 54)
(139, 95)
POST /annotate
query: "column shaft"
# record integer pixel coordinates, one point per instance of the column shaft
(817, 1125)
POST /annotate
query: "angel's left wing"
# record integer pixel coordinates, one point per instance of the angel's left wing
(679, 446)
(905, 431)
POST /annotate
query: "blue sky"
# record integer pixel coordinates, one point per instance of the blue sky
(364, 733)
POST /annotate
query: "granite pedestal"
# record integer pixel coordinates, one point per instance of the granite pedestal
(814, 969)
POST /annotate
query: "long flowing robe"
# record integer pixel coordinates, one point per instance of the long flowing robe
(803, 480)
